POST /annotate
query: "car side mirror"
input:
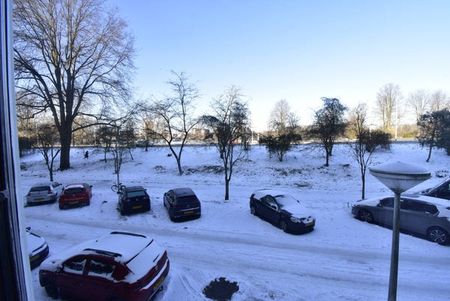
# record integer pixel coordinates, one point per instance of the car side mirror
(28, 228)
(379, 205)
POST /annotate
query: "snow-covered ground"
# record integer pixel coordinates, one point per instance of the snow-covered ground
(342, 259)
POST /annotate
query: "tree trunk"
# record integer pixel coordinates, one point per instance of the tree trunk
(429, 152)
(327, 158)
(65, 134)
(51, 172)
(180, 171)
(227, 189)
(363, 188)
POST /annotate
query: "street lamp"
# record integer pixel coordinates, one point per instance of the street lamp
(398, 177)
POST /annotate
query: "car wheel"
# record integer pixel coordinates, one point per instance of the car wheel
(283, 226)
(52, 291)
(438, 235)
(365, 216)
(61, 206)
(253, 210)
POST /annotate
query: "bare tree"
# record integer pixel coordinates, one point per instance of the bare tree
(439, 101)
(174, 115)
(387, 106)
(329, 124)
(365, 144)
(73, 58)
(229, 124)
(47, 138)
(284, 129)
(419, 102)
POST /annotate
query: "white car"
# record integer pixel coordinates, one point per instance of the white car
(37, 248)
(43, 193)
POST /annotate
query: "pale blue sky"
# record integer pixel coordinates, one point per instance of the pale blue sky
(294, 50)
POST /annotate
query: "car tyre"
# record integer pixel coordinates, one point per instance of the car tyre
(438, 235)
(61, 207)
(253, 210)
(365, 216)
(283, 226)
(52, 291)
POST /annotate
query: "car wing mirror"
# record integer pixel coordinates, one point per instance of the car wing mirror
(379, 205)
(28, 228)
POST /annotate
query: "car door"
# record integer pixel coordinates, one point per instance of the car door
(383, 212)
(71, 277)
(418, 216)
(271, 209)
(98, 281)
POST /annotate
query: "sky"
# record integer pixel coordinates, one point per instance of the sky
(294, 50)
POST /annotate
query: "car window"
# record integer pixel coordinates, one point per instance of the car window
(100, 269)
(387, 202)
(39, 188)
(74, 265)
(74, 190)
(187, 199)
(269, 201)
(136, 193)
(286, 200)
(420, 207)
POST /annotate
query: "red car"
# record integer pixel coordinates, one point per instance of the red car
(75, 195)
(118, 266)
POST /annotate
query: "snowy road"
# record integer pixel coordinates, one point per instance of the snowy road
(266, 269)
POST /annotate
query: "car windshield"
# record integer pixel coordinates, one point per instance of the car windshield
(73, 190)
(39, 188)
(135, 193)
(187, 199)
(286, 200)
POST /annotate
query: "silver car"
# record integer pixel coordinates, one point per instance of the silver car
(421, 215)
(43, 193)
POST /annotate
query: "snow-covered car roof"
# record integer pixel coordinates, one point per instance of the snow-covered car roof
(183, 191)
(428, 199)
(74, 186)
(263, 192)
(124, 244)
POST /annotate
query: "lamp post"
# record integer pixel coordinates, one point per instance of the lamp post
(398, 177)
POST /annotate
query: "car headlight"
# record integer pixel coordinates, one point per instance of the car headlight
(296, 220)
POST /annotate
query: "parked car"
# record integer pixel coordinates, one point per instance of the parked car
(182, 203)
(43, 193)
(440, 191)
(75, 195)
(118, 266)
(37, 248)
(133, 199)
(421, 215)
(281, 210)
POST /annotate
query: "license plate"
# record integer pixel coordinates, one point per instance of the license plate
(73, 202)
(188, 212)
(137, 207)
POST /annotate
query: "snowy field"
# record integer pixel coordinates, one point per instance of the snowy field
(342, 259)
